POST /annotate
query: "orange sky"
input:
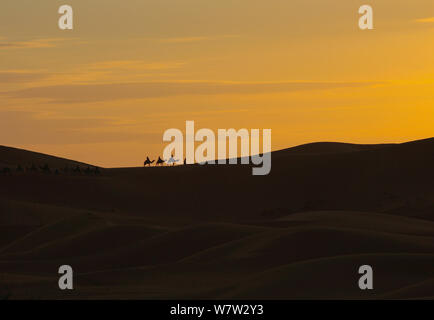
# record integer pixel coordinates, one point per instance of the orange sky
(105, 92)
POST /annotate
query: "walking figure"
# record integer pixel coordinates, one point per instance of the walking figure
(172, 161)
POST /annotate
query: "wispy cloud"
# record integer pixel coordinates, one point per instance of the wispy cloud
(135, 65)
(21, 76)
(113, 71)
(124, 91)
(183, 40)
(195, 39)
(31, 44)
(20, 127)
(425, 20)
(98, 72)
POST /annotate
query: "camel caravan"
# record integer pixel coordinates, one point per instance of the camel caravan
(45, 169)
(160, 162)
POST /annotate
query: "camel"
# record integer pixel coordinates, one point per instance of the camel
(32, 168)
(148, 162)
(45, 168)
(87, 171)
(160, 162)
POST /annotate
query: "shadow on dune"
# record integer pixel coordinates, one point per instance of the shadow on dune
(299, 233)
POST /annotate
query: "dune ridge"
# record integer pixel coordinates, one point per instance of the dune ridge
(299, 233)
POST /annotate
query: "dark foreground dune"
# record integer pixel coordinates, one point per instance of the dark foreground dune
(217, 232)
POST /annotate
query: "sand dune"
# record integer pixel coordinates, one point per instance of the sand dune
(301, 232)
(335, 277)
(12, 157)
(321, 148)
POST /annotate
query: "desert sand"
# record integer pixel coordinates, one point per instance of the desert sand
(217, 232)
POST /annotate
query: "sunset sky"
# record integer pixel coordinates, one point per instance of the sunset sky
(105, 92)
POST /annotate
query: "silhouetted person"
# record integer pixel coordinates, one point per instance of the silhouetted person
(172, 161)
(185, 161)
(19, 168)
(96, 171)
(77, 170)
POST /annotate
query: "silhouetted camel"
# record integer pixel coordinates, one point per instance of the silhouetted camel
(160, 162)
(148, 162)
(94, 171)
(5, 294)
(45, 169)
(33, 168)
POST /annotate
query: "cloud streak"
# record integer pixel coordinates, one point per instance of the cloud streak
(183, 40)
(135, 65)
(20, 76)
(425, 20)
(31, 44)
(195, 39)
(82, 93)
(18, 128)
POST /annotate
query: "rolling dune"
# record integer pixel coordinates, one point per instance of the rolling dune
(299, 233)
